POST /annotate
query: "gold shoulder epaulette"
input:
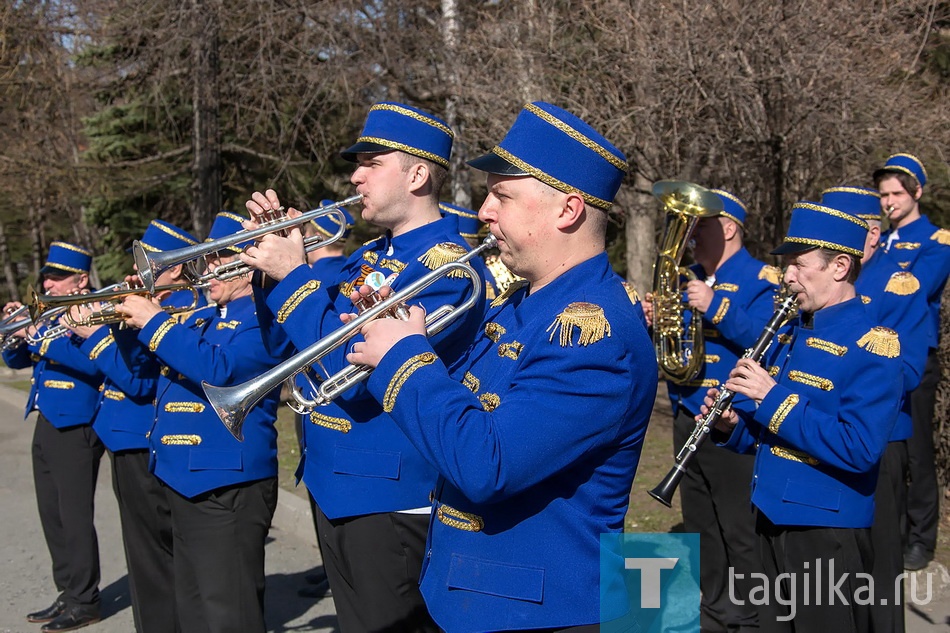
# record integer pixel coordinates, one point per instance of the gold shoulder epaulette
(589, 318)
(881, 341)
(510, 290)
(902, 283)
(632, 293)
(942, 236)
(368, 242)
(771, 273)
(442, 254)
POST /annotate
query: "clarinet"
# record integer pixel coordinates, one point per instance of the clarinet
(664, 491)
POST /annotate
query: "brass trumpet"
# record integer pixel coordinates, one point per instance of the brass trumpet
(48, 307)
(10, 324)
(233, 403)
(151, 265)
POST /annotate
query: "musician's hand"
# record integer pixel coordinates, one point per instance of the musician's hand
(259, 204)
(699, 295)
(729, 418)
(750, 379)
(83, 331)
(138, 310)
(11, 306)
(276, 256)
(79, 313)
(647, 304)
(380, 335)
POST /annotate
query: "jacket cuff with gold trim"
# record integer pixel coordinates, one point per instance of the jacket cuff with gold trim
(92, 344)
(773, 412)
(400, 369)
(155, 330)
(295, 300)
(718, 308)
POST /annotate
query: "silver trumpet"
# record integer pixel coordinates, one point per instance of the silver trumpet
(233, 403)
(10, 324)
(151, 265)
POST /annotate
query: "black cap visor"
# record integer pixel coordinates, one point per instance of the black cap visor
(363, 147)
(495, 164)
(791, 248)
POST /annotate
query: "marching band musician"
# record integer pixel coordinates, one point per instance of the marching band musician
(817, 417)
(124, 416)
(222, 494)
(894, 298)
(923, 249)
(735, 293)
(66, 451)
(536, 432)
(370, 484)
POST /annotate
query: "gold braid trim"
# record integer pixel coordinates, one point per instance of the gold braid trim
(587, 317)
(782, 412)
(784, 339)
(183, 407)
(512, 288)
(551, 181)
(59, 384)
(181, 440)
(402, 374)
(412, 114)
(587, 142)
(44, 346)
(865, 299)
(494, 331)
(826, 346)
(907, 246)
(101, 346)
(726, 287)
(227, 325)
(632, 293)
(881, 341)
(402, 147)
(510, 350)
(112, 394)
(490, 401)
(721, 312)
(793, 455)
(458, 519)
(160, 334)
(902, 283)
(942, 236)
(392, 264)
(296, 298)
(442, 254)
(772, 274)
(773, 371)
(371, 256)
(811, 380)
(470, 381)
(334, 424)
(712, 358)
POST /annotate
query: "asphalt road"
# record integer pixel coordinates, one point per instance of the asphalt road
(26, 581)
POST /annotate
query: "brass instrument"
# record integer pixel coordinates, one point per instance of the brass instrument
(680, 354)
(45, 307)
(233, 403)
(10, 324)
(664, 491)
(151, 265)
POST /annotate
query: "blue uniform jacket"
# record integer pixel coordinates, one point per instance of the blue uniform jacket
(65, 383)
(192, 451)
(126, 407)
(894, 298)
(355, 460)
(743, 300)
(924, 249)
(821, 431)
(536, 433)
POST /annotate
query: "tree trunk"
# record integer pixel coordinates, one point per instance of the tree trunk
(640, 231)
(206, 168)
(9, 270)
(459, 177)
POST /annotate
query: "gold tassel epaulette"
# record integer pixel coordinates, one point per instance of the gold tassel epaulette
(632, 293)
(902, 283)
(771, 273)
(442, 254)
(587, 317)
(510, 290)
(881, 341)
(942, 236)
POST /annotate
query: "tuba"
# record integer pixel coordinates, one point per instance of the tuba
(679, 352)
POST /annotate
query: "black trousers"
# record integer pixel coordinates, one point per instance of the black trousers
(922, 494)
(886, 537)
(147, 536)
(791, 556)
(219, 556)
(373, 563)
(65, 468)
(716, 503)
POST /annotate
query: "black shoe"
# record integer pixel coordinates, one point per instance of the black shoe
(71, 620)
(916, 557)
(316, 591)
(317, 578)
(48, 614)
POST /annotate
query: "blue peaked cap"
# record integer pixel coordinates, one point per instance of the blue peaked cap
(860, 201)
(162, 236)
(395, 126)
(906, 163)
(560, 150)
(227, 223)
(66, 259)
(732, 207)
(469, 224)
(817, 226)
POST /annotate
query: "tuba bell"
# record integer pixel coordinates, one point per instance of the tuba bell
(680, 351)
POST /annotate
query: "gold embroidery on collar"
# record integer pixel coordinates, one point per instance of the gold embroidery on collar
(811, 380)
(458, 519)
(334, 424)
(826, 346)
(296, 298)
(512, 288)
(402, 374)
(490, 401)
(494, 331)
(183, 407)
(721, 312)
(588, 318)
(160, 334)
(181, 440)
(510, 350)
(782, 412)
(793, 455)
